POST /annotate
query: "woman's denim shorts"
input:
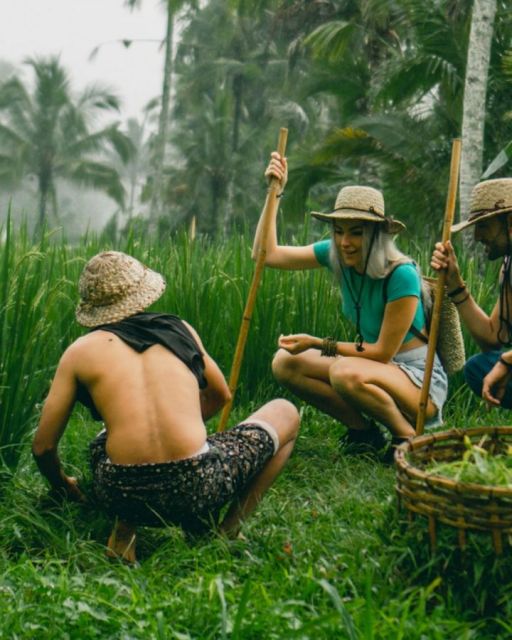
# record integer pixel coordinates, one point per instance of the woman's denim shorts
(412, 364)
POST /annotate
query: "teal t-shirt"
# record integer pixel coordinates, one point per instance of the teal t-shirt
(404, 281)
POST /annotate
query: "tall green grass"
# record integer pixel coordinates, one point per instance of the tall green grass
(327, 554)
(35, 324)
(208, 284)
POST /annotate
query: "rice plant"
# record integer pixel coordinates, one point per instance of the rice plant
(207, 284)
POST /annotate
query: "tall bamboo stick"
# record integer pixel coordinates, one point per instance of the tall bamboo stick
(439, 290)
(251, 298)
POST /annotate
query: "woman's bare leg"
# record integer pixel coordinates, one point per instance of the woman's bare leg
(121, 542)
(383, 391)
(284, 417)
(307, 376)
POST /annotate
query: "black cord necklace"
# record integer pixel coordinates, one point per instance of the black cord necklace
(356, 300)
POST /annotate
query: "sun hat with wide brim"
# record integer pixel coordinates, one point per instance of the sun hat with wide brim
(114, 286)
(361, 203)
(488, 199)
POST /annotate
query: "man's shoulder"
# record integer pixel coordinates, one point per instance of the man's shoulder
(76, 350)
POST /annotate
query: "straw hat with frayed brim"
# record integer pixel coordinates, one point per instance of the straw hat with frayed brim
(488, 199)
(114, 286)
(361, 203)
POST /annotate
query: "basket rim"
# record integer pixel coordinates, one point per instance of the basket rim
(436, 479)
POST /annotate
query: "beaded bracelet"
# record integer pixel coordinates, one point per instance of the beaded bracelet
(329, 347)
(452, 294)
(457, 302)
(505, 363)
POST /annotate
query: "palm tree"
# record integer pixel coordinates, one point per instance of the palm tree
(396, 118)
(133, 173)
(502, 161)
(392, 80)
(172, 8)
(46, 134)
(350, 46)
(232, 82)
(475, 90)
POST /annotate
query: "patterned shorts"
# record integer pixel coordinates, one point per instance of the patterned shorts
(189, 492)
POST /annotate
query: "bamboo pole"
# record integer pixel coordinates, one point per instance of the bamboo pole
(439, 290)
(251, 298)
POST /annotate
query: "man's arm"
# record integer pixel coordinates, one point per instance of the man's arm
(482, 327)
(217, 393)
(54, 418)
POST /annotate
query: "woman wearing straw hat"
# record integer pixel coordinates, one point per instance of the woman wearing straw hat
(149, 378)
(378, 377)
(489, 374)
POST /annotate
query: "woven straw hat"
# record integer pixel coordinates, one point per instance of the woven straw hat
(113, 286)
(361, 203)
(488, 199)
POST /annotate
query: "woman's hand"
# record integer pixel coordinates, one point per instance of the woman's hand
(298, 343)
(277, 168)
(495, 384)
(444, 257)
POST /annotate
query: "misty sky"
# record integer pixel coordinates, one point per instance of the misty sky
(73, 28)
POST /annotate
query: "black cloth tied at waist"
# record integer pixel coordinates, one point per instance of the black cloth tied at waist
(142, 331)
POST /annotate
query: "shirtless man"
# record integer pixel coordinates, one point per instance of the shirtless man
(151, 381)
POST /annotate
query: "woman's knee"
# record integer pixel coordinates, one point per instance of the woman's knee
(284, 366)
(345, 377)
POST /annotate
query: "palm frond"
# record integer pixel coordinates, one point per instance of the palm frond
(332, 39)
(98, 97)
(98, 176)
(11, 137)
(13, 92)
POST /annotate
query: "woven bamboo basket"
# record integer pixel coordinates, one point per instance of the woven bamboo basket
(465, 506)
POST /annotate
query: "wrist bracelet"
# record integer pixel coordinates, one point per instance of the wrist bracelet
(452, 294)
(457, 302)
(505, 363)
(329, 347)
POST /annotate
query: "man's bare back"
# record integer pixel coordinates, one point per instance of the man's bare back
(149, 401)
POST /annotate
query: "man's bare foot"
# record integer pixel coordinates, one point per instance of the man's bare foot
(121, 543)
(230, 529)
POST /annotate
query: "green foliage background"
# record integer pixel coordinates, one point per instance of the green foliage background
(371, 92)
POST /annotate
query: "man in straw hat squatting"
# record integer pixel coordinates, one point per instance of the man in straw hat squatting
(378, 377)
(489, 374)
(151, 381)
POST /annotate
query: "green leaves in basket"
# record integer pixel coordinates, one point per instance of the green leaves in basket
(478, 466)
